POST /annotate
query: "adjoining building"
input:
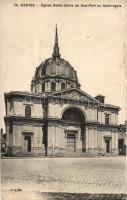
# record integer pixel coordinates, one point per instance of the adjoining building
(122, 139)
(57, 117)
(2, 142)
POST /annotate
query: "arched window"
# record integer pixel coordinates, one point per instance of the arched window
(43, 87)
(73, 115)
(107, 119)
(62, 86)
(53, 86)
(27, 111)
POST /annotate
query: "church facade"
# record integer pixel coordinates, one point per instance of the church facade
(57, 118)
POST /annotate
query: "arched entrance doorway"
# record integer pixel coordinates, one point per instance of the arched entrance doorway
(74, 121)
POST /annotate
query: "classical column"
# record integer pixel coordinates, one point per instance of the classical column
(14, 135)
(113, 143)
(116, 142)
(102, 142)
(19, 136)
(7, 135)
(80, 144)
(87, 139)
(95, 138)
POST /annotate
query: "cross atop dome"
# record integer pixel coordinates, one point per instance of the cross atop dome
(56, 46)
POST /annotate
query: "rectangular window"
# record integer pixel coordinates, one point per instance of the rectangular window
(62, 86)
(107, 119)
(43, 87)
(53, 86)
(27, 111)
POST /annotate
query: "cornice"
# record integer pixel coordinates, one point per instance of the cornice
(108, 107)
(23, 119)
(49, 78)
(108, 126)
(25, 97)
(54, 99)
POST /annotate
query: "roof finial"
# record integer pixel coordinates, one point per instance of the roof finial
(56, 46)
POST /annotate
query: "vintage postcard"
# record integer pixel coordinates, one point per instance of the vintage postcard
(63, 69)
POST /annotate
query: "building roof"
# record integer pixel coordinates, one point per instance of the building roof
(55, 66)
(60, 94)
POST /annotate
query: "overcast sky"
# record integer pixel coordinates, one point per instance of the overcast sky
(91, 39)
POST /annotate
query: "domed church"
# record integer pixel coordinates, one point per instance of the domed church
(57, 118)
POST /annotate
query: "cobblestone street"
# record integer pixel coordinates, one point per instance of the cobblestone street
(61, 196)
(56, 178)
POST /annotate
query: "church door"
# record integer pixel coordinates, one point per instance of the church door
(71, 142)
(74, 117)
(120, 146)
(107, 146)
(27, 143)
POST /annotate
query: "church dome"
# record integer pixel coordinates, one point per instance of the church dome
(54, 70)
(56, 66)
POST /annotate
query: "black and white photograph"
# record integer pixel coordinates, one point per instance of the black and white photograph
(63, 121)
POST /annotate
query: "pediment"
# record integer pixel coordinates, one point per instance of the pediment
(75, 93)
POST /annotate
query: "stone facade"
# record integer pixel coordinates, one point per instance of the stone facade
(57, 117)
(48, 129)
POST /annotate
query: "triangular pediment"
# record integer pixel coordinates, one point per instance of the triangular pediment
(75, 93)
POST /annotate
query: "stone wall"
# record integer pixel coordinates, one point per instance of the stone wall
(16, 139)
(57, 139)
(18, 109)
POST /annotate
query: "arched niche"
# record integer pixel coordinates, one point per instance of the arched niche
(73, 116)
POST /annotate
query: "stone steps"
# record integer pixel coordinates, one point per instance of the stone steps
(60, 154)
(29, 154)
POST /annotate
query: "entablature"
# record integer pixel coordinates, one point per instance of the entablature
(76, 102)
(108, 107)
(23, 119)
(25, 97)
